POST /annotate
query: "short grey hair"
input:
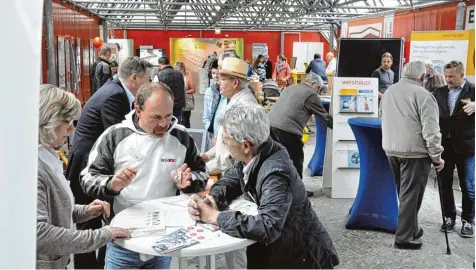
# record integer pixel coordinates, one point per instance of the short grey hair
(146, 91)
(246, 122)
(429, 65)
(414, 70)
(133, 65)
(56, 106)
(314, 78)
(105, 50)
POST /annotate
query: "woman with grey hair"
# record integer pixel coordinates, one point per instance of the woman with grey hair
(57, 237)
(433, 79)
(286, 229)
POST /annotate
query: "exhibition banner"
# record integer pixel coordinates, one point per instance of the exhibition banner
(440, 47)
(193, 52)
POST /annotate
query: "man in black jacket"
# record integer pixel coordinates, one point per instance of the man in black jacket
(269, 67)
(175, 81)
(286, 229)
(456, 106)
(107, 107)
(100, 72)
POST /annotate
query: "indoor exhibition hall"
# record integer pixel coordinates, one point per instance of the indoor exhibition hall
(237, 134)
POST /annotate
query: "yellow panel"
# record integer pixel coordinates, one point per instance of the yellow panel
(470, 61)
(348, 92)
(440, 35)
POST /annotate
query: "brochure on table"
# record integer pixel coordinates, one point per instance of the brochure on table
(351, 97)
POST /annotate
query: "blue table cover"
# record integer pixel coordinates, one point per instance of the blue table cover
(376, 203)
(317, 161)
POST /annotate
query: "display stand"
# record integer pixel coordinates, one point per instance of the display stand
(351, 97)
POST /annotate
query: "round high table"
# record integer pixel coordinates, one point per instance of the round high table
(205, 250)
(317, 161)
(376, 203)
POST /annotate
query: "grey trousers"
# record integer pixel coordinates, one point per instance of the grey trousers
(411, 176)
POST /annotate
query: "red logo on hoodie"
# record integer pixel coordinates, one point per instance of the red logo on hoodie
(168, 160)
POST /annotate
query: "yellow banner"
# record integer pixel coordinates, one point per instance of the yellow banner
(470, 62)
(348, 92)
(440, 35)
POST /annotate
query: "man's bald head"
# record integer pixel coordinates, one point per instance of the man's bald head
(329, 57)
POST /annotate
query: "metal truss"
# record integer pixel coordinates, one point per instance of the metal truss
(256, 15)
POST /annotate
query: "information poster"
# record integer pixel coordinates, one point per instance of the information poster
(440, 47)
(354, 100)
(61, 64)
(259, 49)
(193, 52)
(68, 47)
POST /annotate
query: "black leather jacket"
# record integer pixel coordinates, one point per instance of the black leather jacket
(287, 231)
(100, 73)
(175, 81)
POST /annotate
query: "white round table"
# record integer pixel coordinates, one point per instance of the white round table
(206, 250)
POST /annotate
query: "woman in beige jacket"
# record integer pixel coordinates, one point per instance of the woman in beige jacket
(57, 237)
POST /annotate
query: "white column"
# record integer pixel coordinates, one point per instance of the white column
(20, 51)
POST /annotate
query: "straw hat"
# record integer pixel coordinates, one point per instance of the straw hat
(234, 67)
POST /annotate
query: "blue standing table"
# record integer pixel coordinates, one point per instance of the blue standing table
(317, 161)
(376, 204)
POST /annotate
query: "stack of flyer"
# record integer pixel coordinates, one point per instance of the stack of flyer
(144, 224)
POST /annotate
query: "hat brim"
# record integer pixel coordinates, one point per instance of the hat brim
(235, 74)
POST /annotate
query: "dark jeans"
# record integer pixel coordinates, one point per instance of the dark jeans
(178, 114)
(465, 166)
(411, 176)
(293, 144)
(186, 118)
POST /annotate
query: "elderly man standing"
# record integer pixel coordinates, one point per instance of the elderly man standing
(456, 103)
(233, 90)
(130, 163)
(107, 107)
(412, 141)
(290, 114)
(331, 63)
(287, 231)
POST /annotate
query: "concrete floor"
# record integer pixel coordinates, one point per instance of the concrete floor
(371, 249)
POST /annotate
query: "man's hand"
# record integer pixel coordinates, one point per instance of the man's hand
(468, 106)
(118, 233)
(182, 176)
(203, 210)
(439, 165)
(98, 207)
(380, 95)
(122, 179)
(205, 157)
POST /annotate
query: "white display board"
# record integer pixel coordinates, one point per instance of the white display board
(304, 51)
(351, 97)
(126, 48)
(440, 47)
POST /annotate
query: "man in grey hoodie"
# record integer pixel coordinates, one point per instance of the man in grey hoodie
(411, 139)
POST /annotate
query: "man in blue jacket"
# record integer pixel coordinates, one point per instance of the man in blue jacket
(318, 66)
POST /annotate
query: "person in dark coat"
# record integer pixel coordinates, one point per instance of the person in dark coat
(287, 231)
(456, 106)
(107, 107)
(101, 72)
(269, 67)
(175, 81)
(318, 66)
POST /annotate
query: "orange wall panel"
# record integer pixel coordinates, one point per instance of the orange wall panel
(437, 18)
